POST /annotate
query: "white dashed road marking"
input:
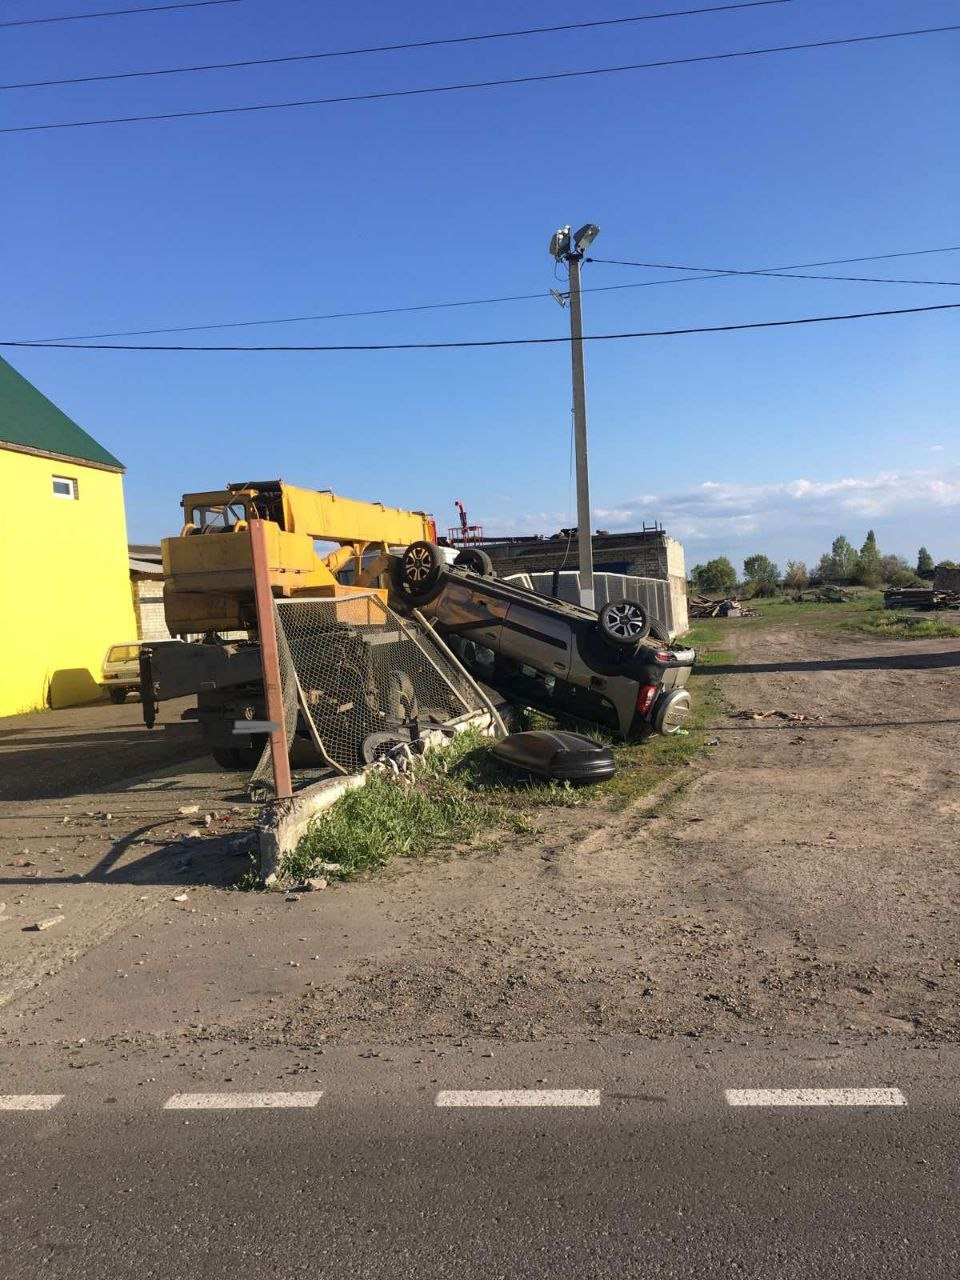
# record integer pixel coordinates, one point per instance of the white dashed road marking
(29, 1101)
(815, 1098)
(518, 1098)
(239, 1101)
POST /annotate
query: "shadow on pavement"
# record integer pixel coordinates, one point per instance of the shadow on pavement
(878, 662)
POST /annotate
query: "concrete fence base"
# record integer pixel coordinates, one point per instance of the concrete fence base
(284, 823)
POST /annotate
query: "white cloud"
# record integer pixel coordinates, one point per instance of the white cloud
(790, 518)
(714, 511)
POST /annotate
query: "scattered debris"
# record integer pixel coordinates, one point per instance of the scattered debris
(180, 897)
(827, 594)
(292, 897)
(315, 882)
(794, 717)
(187, 809)
(701, 607)
(46, 924)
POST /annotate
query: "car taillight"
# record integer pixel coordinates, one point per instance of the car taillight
(645, 696)
(663, 655)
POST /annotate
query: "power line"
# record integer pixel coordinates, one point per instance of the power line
(111, 13)
(391, 48)
(383, 95)
(827, 262)
(775, 273)
(490, 342)
(482, 302)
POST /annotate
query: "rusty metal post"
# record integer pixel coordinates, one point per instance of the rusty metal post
(270, 659)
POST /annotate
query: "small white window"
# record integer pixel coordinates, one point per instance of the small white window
(64, 487)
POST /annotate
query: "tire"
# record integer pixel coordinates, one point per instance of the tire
(476, 560)
(623, 623)
(659, 632)
(117, 695)
(377, 745)
(420, 568)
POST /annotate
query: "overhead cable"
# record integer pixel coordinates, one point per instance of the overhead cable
(113, 13)
(488, 342)
(385, 94)
(390, 48)
(480, 302)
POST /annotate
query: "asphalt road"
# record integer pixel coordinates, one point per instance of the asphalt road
(661, 1178)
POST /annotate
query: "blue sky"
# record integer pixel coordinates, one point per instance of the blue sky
(770, 441)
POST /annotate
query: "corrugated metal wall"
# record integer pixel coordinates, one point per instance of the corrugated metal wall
(658, 596)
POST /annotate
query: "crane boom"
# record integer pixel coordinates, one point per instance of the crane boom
(208, 569)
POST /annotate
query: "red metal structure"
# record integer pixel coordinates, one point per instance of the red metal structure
(464, 534)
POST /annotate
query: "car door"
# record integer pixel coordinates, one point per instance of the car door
(471, 612)
(538, 638)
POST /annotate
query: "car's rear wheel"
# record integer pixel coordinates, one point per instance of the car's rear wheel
(623, 623)
(475, 559)
(420, 568)
(117, 695)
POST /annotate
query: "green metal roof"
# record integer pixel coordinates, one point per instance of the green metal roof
(28, 420)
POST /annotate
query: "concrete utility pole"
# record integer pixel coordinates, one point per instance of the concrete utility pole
(570, 249)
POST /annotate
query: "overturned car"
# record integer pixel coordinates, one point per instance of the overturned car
(610, 669)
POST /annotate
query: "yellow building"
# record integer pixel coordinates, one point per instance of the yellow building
(64, 579)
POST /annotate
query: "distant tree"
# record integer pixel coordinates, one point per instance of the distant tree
(841, 563)
(762, 575)
(906, 578)
(868, 568)
(892, 567)
(796, 575)
(824, 570)
(924, 563)
(716, 575)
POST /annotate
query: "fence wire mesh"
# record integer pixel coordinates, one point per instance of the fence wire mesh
(365, 678)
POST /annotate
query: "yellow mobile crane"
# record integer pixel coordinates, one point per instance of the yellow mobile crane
(208, 590)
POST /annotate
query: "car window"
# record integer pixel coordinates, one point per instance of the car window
(123, 653)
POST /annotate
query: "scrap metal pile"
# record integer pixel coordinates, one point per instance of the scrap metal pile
(701, 607)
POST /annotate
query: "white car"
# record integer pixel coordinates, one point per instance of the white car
(121, 667)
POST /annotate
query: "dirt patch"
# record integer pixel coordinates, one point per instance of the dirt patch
(805, 880)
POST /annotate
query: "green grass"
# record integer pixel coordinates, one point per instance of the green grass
(864, 613)
(458, 796)
(454, 795)
(908, 626)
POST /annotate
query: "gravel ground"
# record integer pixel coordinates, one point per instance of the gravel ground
(801, 880)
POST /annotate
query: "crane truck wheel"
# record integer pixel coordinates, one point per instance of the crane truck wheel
(477, 560)
(420, 568)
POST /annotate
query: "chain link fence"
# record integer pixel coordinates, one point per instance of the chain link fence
(364, 678)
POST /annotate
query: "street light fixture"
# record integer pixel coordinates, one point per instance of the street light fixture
(568, 248)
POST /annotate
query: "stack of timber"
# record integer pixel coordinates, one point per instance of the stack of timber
(920, 598)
